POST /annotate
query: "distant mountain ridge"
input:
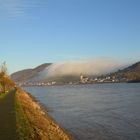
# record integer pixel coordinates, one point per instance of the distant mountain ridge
(131, 73)
(27, 74)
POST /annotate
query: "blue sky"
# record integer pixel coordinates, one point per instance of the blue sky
(38, 31)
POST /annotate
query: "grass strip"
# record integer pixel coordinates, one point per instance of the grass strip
(24, 129)
(3, 95)
(33, 123)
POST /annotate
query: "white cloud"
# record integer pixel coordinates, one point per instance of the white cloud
(12, 7)
(19, 7)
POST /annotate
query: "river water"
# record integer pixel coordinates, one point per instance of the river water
(94, 112)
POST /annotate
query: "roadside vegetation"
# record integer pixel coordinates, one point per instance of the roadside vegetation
(6, 84)
(2, 95)
(25, 130)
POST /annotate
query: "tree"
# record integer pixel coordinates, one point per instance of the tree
(5, 81)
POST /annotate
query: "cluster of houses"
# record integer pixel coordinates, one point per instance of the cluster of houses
(36, 83)
(102, 79)
(82, 80)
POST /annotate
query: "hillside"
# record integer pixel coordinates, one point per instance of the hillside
(132, 73)
(129, 74)
(62, 79)
(27, 74)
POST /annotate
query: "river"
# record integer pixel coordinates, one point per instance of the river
(94, 112)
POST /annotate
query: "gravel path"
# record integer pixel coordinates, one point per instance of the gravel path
(8, 117)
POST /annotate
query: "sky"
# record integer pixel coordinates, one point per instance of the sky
(41, 31)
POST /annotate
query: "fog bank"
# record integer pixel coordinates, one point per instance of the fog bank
(86, 67)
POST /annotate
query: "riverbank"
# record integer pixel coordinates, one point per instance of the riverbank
(33, 123)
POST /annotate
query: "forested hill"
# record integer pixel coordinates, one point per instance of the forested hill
(130, 74)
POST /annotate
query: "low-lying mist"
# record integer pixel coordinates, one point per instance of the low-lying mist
(86, 67)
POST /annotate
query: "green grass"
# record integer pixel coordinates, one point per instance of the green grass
(24, 129)
(2, 95)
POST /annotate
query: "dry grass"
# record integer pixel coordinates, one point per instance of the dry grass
(33, 123)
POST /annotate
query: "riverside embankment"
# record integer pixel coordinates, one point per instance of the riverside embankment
(33, 123)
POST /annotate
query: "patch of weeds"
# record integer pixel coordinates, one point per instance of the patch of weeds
(2, 95)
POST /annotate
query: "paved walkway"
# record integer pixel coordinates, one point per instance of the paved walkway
(8, 117)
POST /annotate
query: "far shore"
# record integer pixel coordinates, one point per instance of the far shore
(65, 84)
